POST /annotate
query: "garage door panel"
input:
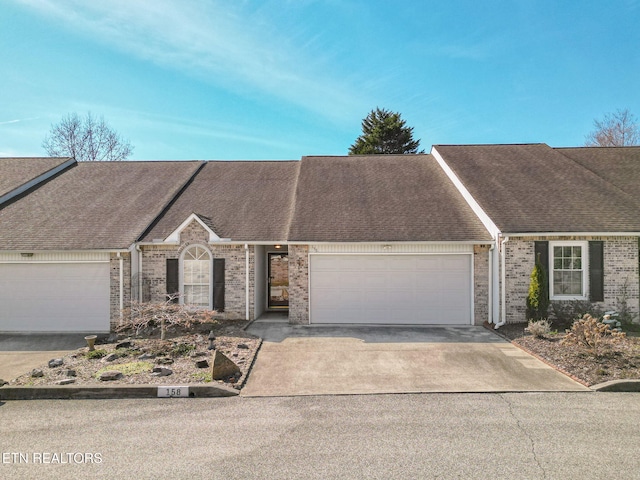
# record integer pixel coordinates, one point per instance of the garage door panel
(54, 297)
(391, 289)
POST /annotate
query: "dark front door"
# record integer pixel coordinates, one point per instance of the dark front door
(278, 280)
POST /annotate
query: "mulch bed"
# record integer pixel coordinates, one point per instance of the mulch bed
(616, 359)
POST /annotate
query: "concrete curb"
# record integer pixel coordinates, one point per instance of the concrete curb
(64, 392)
(618, 386)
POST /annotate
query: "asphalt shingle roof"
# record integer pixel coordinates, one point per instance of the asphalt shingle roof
(380, 198)
(535, 188)
(15, 172)
(93, 205)
(240, 200)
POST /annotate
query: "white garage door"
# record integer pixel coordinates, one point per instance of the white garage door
(54, 297)
(391, 289)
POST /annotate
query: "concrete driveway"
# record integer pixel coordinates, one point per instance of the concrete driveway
(317, 360)
(21, 353)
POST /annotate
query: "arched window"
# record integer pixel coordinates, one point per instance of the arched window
(196, 276)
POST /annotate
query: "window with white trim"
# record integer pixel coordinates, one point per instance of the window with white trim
(568, 267)
(196, 277)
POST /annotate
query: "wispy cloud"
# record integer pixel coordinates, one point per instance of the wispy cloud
(226, 43)
(18, 120)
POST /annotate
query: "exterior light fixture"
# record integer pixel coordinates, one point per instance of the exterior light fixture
(26, 254)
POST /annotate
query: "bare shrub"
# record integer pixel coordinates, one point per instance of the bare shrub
(538, 328)
(143, 316)
(590, 333)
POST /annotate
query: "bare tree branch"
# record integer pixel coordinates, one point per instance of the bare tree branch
(86, 139)
(618, 129)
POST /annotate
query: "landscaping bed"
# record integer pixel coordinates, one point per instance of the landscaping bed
(615, 359)
(178, 360)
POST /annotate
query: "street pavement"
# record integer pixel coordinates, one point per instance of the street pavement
(584, 435)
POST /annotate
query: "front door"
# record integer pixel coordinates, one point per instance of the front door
(278, 280)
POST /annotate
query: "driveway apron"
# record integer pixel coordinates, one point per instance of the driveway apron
(326, 360)
(21, 353)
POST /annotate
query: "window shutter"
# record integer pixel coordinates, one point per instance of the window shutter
(542, 249)
(173, 282)
(596, 272)
(218, 284)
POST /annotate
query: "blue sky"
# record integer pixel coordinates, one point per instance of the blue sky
(282, 79)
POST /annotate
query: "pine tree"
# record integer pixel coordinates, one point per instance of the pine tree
(383, 132)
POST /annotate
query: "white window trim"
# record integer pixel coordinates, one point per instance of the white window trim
(181, 274)
(585, 268)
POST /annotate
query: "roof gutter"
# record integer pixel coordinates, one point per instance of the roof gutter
(574, 234)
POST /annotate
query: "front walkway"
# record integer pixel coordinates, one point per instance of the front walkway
(318, 360)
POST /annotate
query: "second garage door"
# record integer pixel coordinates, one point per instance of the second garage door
(54, 297)
(391, 289)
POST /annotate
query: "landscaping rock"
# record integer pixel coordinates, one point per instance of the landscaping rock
(56, 362)
(113, 338)
(164, 361)
(222, 366)
(243, 346)
(109, 358)
(198, 354)
(146, 356)
(161, 372)
(35, 373)
(125, 344)
(66, 381)
(202, 363)
(110, 376)
(3, 383)
(69, 373)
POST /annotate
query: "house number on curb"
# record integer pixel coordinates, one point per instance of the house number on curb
(166, 392)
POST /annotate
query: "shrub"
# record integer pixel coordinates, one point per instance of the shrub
(590, 333)
(567, 312)
(147, 316)
(93, 354)
(182, 349)
(538, 328)
(538, 297)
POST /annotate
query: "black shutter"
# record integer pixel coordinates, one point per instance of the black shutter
(542, 249)
(173, 282)
(596, 272)
(218, 284)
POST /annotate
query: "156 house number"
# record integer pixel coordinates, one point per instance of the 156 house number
(170, 392)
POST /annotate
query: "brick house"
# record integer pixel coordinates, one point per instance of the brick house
(416, 239)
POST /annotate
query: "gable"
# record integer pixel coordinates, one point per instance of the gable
(193, 227)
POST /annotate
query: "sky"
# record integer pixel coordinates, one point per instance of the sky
(278, 80)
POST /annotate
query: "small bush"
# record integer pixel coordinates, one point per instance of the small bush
(590, 333)
(567, 312)
(182, 349)
(538, 328)
(94, 354)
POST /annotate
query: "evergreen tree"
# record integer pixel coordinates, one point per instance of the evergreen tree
(384, 131)
(538, 297)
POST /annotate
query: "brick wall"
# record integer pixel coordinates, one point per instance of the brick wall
(480, 283)
(154, 269)
(620, 269)
(299, 284)
(114, 271)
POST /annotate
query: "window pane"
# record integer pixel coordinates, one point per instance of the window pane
(566, 263)
(566, 251)
(557, 263)
(577, 264)
(557, 252)
(577, 252)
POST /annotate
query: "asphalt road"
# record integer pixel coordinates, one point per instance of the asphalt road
(467, 436)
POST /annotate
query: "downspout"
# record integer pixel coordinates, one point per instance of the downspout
(490, 299)
(246, 265)
(503, 290)
(139, 272)
(121, 267)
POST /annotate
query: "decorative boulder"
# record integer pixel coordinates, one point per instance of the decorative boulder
(110, 376)
(161, 372)
(109, 358)
(65, 381)
(35, 373)
(202, 363)
(56, 362)
(222, 366)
